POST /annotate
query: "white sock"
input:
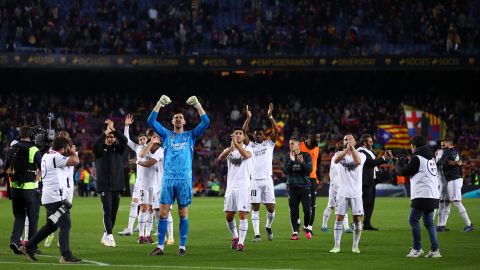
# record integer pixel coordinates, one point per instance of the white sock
(441, 208)
(463, 213)
(232, 226)
(133, 215)
(270, 218)
(26, 229)
(446, 213)
(357, 232)
(326, 216)
(142, 217)
(256, 222)
(337, 233)
(170, 226)
(346, 224)
(149, 223)
(243, 230)
(309, 227)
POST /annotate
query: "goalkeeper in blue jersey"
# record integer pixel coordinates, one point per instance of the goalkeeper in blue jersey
(177, 176)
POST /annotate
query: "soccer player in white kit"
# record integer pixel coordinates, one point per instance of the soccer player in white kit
(142, 139)
(150, 155)
(261, 187)
(332, 195)
(350, 168)
(239, 174)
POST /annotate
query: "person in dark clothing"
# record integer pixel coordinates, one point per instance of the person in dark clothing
(22, 166)
(310, 146)
(369, 178)
(424, 194)
(110, 179)
(298, 166)
(451, 165)
(55, 198)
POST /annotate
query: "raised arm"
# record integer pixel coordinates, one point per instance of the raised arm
(126, 132)
(205, 121)
(246, 124)
(223, 156)
(276, 129)
(152, 118)
(355, 154)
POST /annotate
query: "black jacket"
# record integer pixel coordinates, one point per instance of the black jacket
(369, 167)
(450, 172)
(37, 160)
(410, 169)
(109, 162)
(298, 173)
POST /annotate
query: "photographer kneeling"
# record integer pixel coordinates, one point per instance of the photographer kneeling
(54, 177)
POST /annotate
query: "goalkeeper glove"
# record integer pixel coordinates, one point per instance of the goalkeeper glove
(164, 100)
(193, 101)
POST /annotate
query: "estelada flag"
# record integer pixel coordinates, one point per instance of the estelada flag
(393, 136)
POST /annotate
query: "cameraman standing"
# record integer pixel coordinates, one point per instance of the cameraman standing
(22, 163)
(55, 199)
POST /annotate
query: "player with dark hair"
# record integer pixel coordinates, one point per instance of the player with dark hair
(261, 188)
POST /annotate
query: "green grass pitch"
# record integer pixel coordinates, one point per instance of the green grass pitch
(208, 244)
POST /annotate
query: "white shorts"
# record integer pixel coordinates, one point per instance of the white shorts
(442, 187)
(454, 190)
(146, 195)
(237, 200)
(136, 191)
(344, 203)
(261, 191)
(156, 200)
(332, 195)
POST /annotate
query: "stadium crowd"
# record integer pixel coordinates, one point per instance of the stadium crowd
(83, 117)
(250, 27)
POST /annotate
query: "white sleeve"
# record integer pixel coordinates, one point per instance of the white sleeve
(158, 155)
(250, 144)
(59, 161)
(271, 143)
(132, 145)
(363, 158)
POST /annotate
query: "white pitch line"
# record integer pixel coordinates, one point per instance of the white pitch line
(87, 261)
(147, 266)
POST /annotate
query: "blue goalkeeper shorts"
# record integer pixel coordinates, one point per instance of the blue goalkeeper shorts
(179, 189)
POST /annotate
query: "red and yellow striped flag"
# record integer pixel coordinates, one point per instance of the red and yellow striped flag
(393, 136)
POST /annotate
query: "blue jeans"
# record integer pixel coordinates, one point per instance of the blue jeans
(414, 220)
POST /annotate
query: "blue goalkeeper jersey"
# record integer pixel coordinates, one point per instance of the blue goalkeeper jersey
(178, 147)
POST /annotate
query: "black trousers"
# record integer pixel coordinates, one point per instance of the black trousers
(63, 223)
(295, 196)
(313, 199)
(110, 202)
(25, 203)
(368, 198)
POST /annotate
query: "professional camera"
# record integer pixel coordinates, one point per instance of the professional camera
(43, 137)
(53, 218)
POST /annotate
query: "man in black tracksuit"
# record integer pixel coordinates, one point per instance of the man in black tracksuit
(368, 178)
(298, 166)
(110, 179)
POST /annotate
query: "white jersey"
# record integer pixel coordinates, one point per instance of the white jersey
(350, 176)
(239, 170)
(424, 184)
(159, 169)
(149, 176)
(333, 174)
(262, 159)
(137, 148)
(54, 177)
